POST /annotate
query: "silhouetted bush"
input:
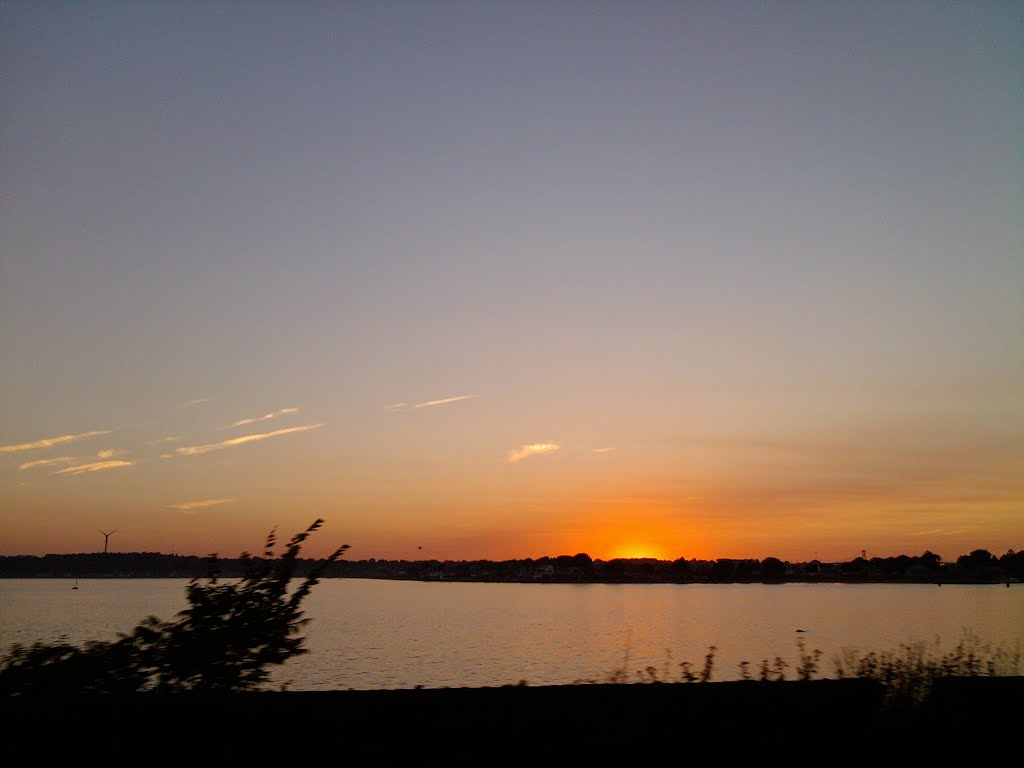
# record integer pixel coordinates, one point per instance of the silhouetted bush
(224, 641)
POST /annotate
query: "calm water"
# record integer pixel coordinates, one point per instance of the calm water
(396, 634)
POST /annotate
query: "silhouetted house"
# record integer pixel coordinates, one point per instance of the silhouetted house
(701, 569)
(875, 572)
(919, 571)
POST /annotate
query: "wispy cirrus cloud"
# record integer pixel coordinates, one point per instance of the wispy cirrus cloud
(51, 441)
(195, 450)
(602, 450)
(190, 505)
(47, 462)
(109, 453)
(403, 407)
(96, 466)
(197, 401)
(444, 401)
(162, 440)
(264, 417)
(533, 449)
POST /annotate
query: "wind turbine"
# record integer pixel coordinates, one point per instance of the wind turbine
(106, 539)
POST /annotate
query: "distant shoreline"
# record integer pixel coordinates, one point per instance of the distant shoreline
(150, 576)
(980, 567)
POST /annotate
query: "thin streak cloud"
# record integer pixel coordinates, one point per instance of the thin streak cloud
(162, 440)
(533, 449)
(264, 417)
(603, 450)
(96, 466)
(51, 441)
(190, 505)
(947, 531)
(445, 401)
(195, 450)
(47, 462)
(197, 401)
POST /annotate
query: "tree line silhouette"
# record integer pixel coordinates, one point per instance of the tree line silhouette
(980, 566)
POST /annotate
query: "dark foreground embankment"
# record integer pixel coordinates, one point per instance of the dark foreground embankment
(831, 719)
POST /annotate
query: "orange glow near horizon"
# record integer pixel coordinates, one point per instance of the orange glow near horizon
(640, 551)
(631, 531)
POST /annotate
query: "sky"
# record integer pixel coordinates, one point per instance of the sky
(512, 279)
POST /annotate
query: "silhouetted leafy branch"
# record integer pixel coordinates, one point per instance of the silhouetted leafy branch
(226, 640)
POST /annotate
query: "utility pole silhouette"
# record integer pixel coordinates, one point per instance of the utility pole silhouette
(106, 539)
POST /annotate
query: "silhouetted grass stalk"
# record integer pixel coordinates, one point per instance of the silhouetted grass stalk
(907, 673)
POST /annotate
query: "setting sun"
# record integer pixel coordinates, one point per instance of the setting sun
(639, 551)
